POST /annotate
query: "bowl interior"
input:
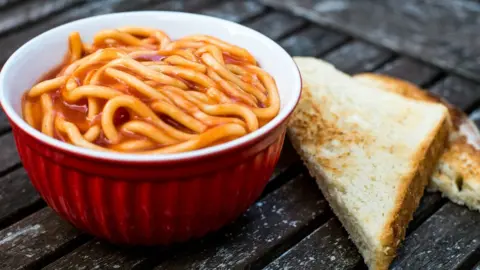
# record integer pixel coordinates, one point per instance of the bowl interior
(43, 53)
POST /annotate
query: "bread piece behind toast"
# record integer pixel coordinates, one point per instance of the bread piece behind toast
(457, 174)
(370, 151)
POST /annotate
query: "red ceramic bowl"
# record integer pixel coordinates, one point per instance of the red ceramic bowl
(154, 199)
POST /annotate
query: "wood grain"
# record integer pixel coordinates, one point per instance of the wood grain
(100, 255)
(312, 41)
(27, 242)
(441, 32)
(4, 125)
(12, 41)
(444, 241)
(9, 156)
(287, 159)
(328, 247)
(429, 204)
(180, 5)
(16, 193)
(6, 3)
(276, 25)
(30, 12)
(236, 11)
(411, 70)
(460, 92)
(357, 56)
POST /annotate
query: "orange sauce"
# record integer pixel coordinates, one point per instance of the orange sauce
(77, 112)
(172, 131)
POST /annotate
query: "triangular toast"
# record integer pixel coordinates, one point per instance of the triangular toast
(370, 151)
(457, 174)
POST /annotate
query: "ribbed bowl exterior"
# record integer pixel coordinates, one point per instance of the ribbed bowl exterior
(142, 203)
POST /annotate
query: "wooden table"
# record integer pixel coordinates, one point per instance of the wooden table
(435, 44)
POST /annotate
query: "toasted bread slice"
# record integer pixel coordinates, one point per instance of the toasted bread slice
(457, 174)
(370, 151)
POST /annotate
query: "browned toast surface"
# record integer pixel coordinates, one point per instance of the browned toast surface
(359, 147)
(457, 174)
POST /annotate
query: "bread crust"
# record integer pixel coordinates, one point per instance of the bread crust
(305, 118)
(457, 174)
(300, 117)
(409, 194)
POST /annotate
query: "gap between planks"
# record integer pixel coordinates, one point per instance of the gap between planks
(333, 16)
(468, 104)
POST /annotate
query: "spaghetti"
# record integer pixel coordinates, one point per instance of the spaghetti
(135, 90)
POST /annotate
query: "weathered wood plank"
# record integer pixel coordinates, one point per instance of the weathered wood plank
(29, 241)
(277, 24)
(288, 157)
(406, 68)
(4, 125)
(416, 27)
(6, 3)
(328, 247)
(100, 255)
(312, 41)
(236, 11)
(357, 56)
(180, 5)
(12, 41)
(16, 193)
(475, 116)
(9, 156)
(267, 224)
(458, 91)
(429, 204)
(444, 241)
(31, 11)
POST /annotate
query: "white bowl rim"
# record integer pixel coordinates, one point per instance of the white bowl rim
(128, 157)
